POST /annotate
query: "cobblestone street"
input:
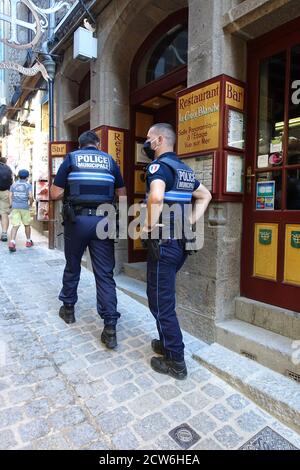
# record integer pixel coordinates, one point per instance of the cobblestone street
(61, 389)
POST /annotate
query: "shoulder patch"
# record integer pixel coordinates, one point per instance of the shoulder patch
(154, 168)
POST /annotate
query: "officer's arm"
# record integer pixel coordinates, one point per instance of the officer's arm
(201, 199)
(154, 204)
(56, 192)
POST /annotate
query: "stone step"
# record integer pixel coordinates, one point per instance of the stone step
(132, 287)
(267, 348)
(279, 320)
(278, 395)
(136, 271)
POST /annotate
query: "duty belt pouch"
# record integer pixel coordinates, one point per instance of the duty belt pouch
(68, 213)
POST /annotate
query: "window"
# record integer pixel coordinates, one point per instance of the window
(271, 111)
(293, 189)
(278, 156)
(165, 56)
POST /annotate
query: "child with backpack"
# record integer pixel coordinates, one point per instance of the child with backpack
(20, 199)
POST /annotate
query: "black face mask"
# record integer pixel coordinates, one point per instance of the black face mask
(148, 151)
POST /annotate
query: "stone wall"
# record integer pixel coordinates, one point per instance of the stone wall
(216, 268)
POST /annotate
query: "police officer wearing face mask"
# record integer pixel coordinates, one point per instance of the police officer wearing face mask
(86, 179)
(169, 181)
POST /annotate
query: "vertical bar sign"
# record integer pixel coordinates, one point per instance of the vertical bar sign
(116, 146)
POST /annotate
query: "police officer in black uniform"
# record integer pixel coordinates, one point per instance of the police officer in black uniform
(86, 179)
(169, 181)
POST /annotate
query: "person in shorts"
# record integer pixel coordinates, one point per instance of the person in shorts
(6, 181)
(20, 200)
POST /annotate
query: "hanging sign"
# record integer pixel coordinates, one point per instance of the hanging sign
(37, 27)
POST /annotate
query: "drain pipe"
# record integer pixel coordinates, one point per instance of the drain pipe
(50, 66)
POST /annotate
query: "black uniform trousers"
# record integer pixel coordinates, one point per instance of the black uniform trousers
(161, 286)
(79, 236)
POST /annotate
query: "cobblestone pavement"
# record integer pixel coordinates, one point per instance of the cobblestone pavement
(61, 389)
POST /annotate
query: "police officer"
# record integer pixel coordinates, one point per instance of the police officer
(86, 179)
(168, 181)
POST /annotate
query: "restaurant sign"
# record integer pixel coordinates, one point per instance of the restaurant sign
(198, 119)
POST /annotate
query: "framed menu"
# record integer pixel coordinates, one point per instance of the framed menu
(56, 162)
(42, 190)
(235, 129)
(139, 182)
(42, 211)
(139, 155)
(203, 168)
(234, 173)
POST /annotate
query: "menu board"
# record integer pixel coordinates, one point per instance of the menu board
(203, 168)
(42, 191)
(236, 129)
(42, 211)
(56, 162)
(235, 174)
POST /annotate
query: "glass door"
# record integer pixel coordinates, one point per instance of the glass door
(270, 269)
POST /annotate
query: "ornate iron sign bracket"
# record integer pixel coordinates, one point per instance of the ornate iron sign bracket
(38, 27)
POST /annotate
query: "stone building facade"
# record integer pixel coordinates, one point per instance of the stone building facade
(219, 35)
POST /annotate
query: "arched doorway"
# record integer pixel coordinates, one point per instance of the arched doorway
(159, 71)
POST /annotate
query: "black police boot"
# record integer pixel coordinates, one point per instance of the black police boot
(109, 336)
(176, 369)
(157, 347)
(66, 312)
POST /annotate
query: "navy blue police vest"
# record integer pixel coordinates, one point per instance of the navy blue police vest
(184, 181)
(91, 181)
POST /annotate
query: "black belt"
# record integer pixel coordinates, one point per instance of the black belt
(89, 211)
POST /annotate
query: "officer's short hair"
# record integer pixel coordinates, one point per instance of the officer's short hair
(166, 130)
(3, 159)
(88, 138)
